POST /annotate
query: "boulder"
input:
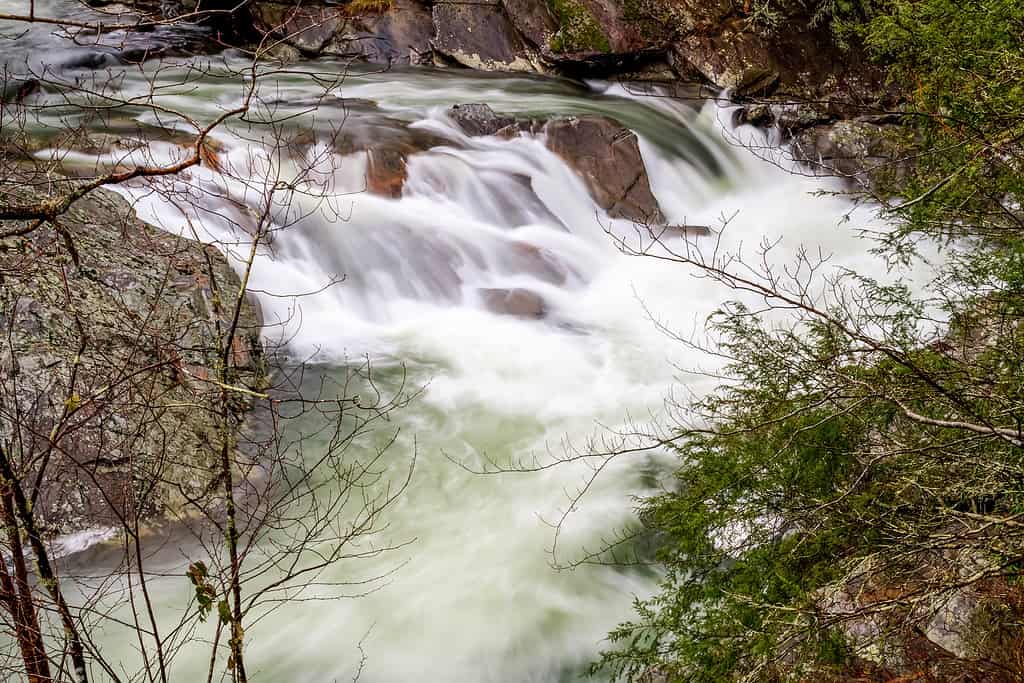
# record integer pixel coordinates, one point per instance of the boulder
(796, 59)
(388, 148)
(854, 149)
(385, 171)
(17, 91)
(479, 119)
(478, 34)
(603, 152)
(533, 19)
(149, 313)
(518, 302)
(306, 27)
(606, 156)
(400, 35)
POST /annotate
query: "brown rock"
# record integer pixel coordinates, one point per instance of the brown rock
(606, 156)
(387, 153)
(385, 171)
(521, 303)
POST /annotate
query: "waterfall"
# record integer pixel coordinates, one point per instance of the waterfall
(473, 596)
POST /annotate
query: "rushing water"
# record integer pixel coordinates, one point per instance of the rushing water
(473, 597)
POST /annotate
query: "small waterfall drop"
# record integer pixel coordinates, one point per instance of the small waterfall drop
(474, 598)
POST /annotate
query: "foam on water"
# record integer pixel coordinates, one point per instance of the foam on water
(477, 599)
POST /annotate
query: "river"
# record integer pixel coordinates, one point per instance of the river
(471, 594)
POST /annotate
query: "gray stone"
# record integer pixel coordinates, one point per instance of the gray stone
(148, 314)
(479, 119)
(401, 35)
(478, 34)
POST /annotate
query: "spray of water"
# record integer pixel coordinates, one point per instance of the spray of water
(477, 599)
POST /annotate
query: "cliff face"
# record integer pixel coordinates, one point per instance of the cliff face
(105, 365)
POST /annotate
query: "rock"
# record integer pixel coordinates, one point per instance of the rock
(607, 157)
(307, 28)
(854, 149)
(479, 119)
(518, 302)
(760, 115)
(149, 316)
(951, 624)
(388, 143)
(579, 33)
(533, 19)
(478, 34)
(793, 117)
(796, 59)
(385, 171)
(400, 35)
(602, 151)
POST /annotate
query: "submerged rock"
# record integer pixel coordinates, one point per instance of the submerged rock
(518, 302)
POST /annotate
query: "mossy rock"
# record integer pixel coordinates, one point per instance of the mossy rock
(578, 29)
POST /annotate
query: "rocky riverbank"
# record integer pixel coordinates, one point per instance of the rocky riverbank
(110, 334)
(832, 103)
(834, 106)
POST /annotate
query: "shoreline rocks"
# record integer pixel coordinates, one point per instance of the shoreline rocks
(133, 322)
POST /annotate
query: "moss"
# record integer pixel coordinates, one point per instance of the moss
(358, 7)
(578, 29)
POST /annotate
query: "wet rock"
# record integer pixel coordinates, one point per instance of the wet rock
(385, 171)
(602, 151)
(388, 144)
(760, 115)
(479, 119)
(307, 28)
(606, 156)
(399, 35)
(793, 117)
(518, 302)
(854, 149)
(478, 34)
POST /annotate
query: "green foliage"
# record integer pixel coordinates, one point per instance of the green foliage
(963, 66)
(199, 576)
(860, 448)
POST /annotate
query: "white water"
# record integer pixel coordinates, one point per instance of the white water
(476, 599)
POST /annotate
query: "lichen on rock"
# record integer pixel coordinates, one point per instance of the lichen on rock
(578, 29)
(108, 366)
